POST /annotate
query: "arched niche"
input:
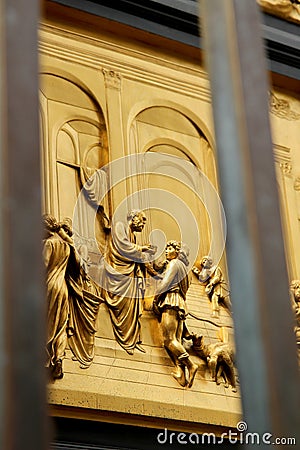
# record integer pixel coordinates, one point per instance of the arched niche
(167, 132)
(76, 146)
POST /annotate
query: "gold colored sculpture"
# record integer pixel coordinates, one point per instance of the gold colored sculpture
(219, 357)
(171, 308)
(56, 256)
(295, 289)
(215, 286)
(287, 9)
(124, 280)
(73, 299)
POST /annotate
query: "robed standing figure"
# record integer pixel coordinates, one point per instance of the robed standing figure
(124, 282)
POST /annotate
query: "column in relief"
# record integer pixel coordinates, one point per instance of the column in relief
(113, 87)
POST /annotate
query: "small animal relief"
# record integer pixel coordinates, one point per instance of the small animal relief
(219, 358)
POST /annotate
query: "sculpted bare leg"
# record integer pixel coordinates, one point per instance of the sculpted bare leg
(172, 333)
(215, 305)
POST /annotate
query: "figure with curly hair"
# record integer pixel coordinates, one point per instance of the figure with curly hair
(216, 288)
(170, 304)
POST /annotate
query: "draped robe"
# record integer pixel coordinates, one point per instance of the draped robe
(123, 282)
(56, 256)
(73, 303)
(85, 297)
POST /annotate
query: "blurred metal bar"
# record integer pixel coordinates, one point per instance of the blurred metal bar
(2, 318)
(266, 349)
(22, 298)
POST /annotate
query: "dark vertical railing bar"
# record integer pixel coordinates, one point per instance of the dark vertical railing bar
(259, 284)
(23, 410)
(2, 309)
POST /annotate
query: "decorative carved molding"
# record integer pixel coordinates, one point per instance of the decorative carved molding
(139, 66)
(112, 79)
(281, 108)
(282, 154)
(287, 9)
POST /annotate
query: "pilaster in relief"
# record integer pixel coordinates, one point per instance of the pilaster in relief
(113, 83)
(112, 79)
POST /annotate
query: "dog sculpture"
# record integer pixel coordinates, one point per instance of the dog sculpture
(219, 358)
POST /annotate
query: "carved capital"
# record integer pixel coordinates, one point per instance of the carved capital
(286, 168)
(112, 79)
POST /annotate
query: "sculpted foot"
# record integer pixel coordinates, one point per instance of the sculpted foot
(192, 372)
(179, 376)
(57, 372)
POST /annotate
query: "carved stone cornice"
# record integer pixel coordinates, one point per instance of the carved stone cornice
(281, 108)
(112, 79)
(134, 65)
(287, 9)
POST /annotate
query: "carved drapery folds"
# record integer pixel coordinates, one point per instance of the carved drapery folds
(124, 281)
(73, 299)
(80, 280)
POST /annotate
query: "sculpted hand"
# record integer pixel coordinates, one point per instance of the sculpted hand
(208, 288)
(149, 248)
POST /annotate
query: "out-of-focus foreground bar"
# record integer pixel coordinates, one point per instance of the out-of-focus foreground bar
(259, 283)
(22, 299)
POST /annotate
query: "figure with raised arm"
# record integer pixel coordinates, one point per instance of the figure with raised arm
(216, 288)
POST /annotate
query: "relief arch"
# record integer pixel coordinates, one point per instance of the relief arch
(76, 146)
(170, 133)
